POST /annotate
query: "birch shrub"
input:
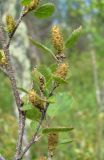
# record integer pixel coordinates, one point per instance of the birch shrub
(38, 103)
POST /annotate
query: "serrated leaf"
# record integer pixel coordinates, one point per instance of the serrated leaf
(42, 47)
(27, 107)
(58, 129)
(22, 89)
(25, 2)
(45, 10)
(65, 142)
(73, 38)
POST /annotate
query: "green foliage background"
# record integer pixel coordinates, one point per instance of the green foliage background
(78, 105)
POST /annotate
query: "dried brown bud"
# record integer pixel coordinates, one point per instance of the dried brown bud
(42, 83)
(62, 70)
(52, 142)
(57, 39)
(10, 23)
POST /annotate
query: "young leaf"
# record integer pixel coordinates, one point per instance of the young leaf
(33, 114)
(23, 90)
(42, 47)
(1, 56)
(45, 71)
(27, 107)
(35, 77)
(51, 100)
(73, 38)
(33, 125)
(25, 2)
(45, 10)
(66, 141)
(58, 129)
(59, 80)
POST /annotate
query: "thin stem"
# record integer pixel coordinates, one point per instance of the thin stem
(33, 139)
(4, 70)
(11, 74)
(17, 25)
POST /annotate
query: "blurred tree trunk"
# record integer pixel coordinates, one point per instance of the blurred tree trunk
(99, 130)
(18, 50)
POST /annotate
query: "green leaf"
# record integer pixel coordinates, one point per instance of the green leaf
(35, 77)
(33, 125)
(25, 2)
(42, 47)
(1, 55)
(73, 38)
(49, 83)
(22, 89)
(58, 129)
(45, 71)
(51, 100)
(53, 67)
(65, 141)
(59, 80)
(27, 107)
(33, 114)
(45, 10)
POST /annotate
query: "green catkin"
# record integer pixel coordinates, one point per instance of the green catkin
(10, 23)
(3, 61)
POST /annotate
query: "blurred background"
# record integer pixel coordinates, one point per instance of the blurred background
(83, 106)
